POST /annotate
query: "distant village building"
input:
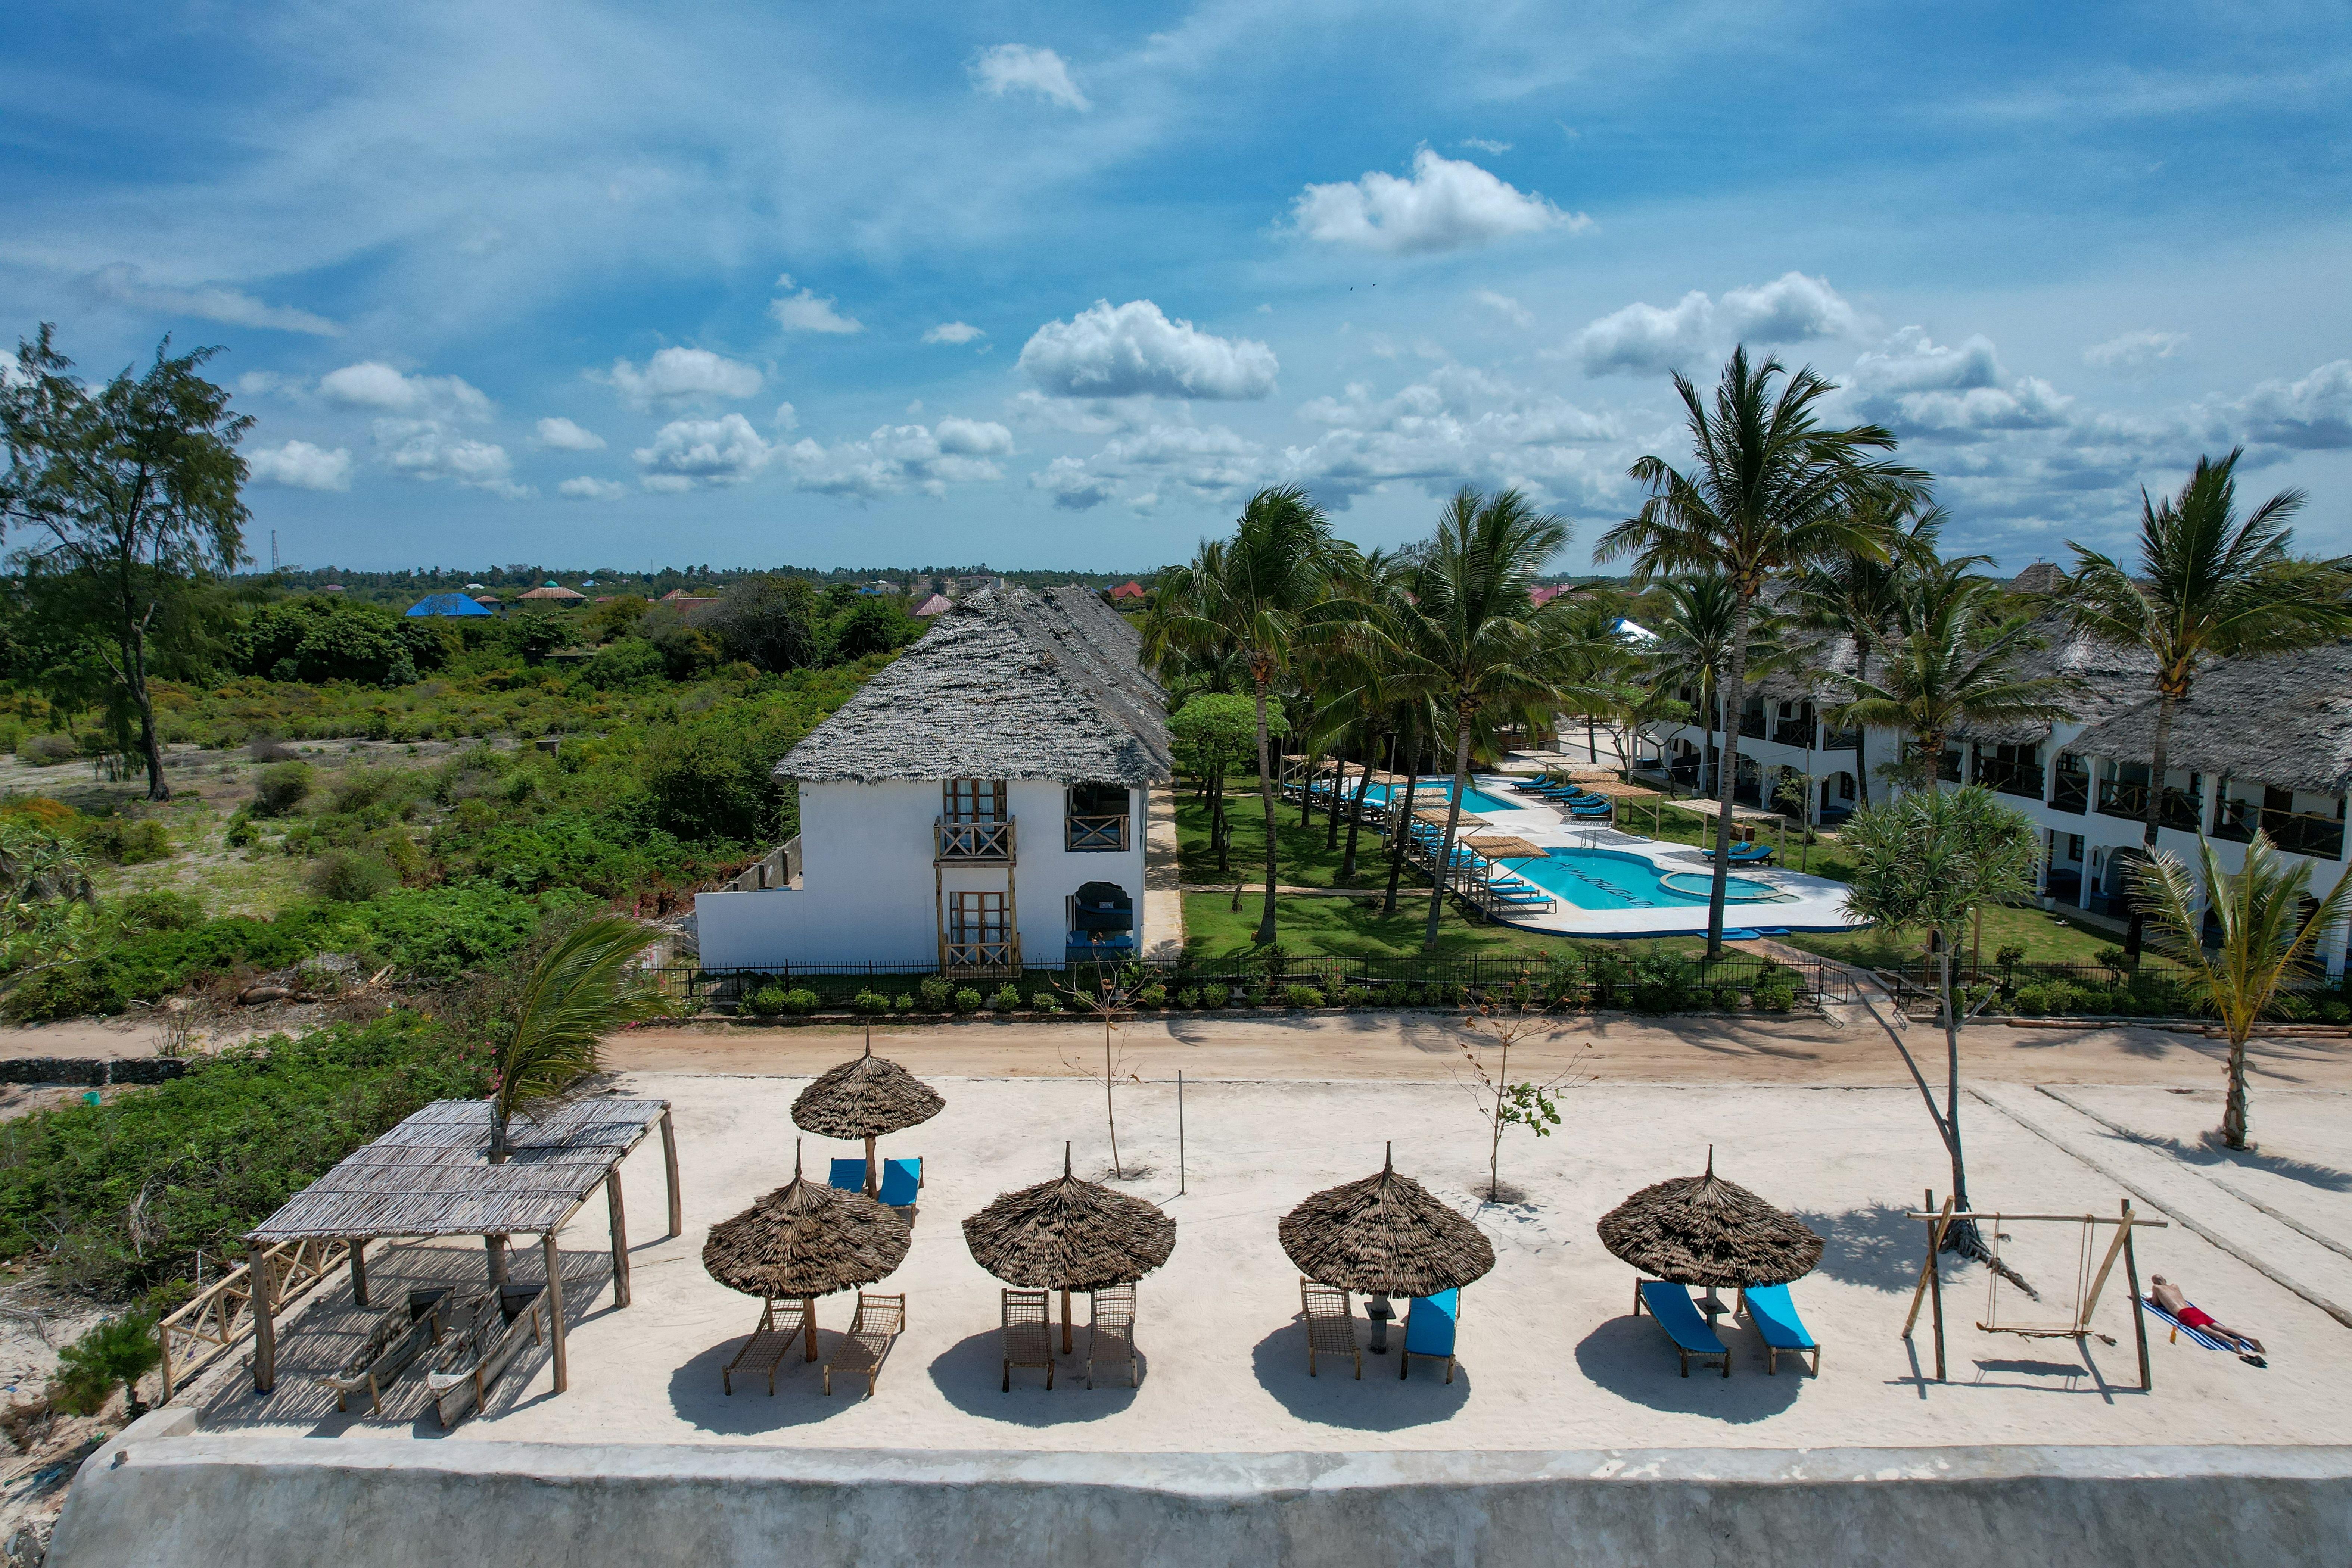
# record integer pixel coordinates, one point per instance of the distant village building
(551, 595)
(1012, 754)
(446, 604)
(680, 600)
(332, 588)
(1128, 592)
(938, 603)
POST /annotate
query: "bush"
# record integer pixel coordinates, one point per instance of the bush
(765, 1001)
(281, 787)
(47, 750)
(159, 910)
(2009, 956)
(1190, 997)
(903, 1003)
(1216, 996)
(1048, 1002)
(1007, 997)
(800, 1001)
(1777, 997)
(967, 1000)
(115, 1355)
(870, 1002)
(1357, 997)
(1153, 996)
(2334, 1010)
(1302, 997)
(343, 876)
(937, 994)
(241, 832)
(126, 842)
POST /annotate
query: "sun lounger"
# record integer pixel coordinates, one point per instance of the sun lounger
(770, 1343)
(1111, 1330)
(1774, 1316)
(878, 1325)
(1429, 1324)
(846, 1176)
(1746, 854)
(488, 1338)
(901, 1180)
(1330, 1324)
(1679, 1316)
(2198, 1335)
(1028, 1335)
(399, 1336)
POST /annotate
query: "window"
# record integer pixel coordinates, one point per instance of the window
(2073, 846)
(1845, 786)
(1097, 818)
(973, 801)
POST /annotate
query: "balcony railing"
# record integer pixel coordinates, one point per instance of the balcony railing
(1751, 725)
(2011, 777)
(2296, 833)
(979, 952)
(2181, 809)
(972, 843)
(1948, 767)
(1793, 732)
(1841, 740)
(2071, 792)
(1089, 835)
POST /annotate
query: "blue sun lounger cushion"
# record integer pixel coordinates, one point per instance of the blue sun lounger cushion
(1429, 1324)
(1679, 1316)
(900, 1180)
(848, 1176)
(1775, 1317)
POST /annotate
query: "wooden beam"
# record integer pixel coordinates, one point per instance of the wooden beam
(265, 1327)
(496, 1246)
(620, 1237)
(669, 1169)
(808, 1322)
(358, 1245)
(555, 1310)
(870, 1178)
(2139, 1319)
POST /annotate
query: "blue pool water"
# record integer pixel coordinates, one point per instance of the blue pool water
(1434, 792)
(1603, 879)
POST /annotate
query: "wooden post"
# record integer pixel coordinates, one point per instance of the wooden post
(2139, 1319)
(808, 1325)
(265, 1326)
(870, 1182)
(620, 1237)
(496, 1246)
(1066, 1320)
(1935, 1289)
(669, 1169)
(555, 1310)
(358, 1245)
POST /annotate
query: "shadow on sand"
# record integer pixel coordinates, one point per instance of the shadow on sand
(970, 1372)
(800, 1400)
(1632, 1358)
(1333, 1397)
(1874, 1247)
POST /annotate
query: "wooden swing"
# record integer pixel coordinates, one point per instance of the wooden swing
(2088, 1283)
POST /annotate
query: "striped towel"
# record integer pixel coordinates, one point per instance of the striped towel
(2147, 1304)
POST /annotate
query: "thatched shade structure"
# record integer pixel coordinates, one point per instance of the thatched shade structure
(1704, 1231)
(1385, 1235)
(865, 1097)
(1069, 1235)
(806, 1239)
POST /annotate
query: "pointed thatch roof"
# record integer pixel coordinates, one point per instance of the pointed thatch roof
(1385, 1234)
(1069, 1235)
(1704, 1231)
(2284, 720)
(806, 1239)
(865, 1097)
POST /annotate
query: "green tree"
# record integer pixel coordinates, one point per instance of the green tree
(2267, 942)
(1768, 492)
(1702, 615)
(1922, 862)
(115, 1355)
(2210, 586)
(132, 492)
(770, 623)
(875, 625)
(1211, 733)
(579, 993)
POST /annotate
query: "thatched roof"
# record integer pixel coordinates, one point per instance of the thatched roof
(2283, 721)
(867, 1096)
(1704, 1231)
(1069, 1235)
(2108, 680)
(806, 1239)
(1505, 847)
(1385, 1233)
(1010, 683)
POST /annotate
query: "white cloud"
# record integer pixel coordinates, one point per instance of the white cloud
(2313, 413)
(972, 437)
(675, 376)
(123, 284)
(900, 457)
(301, 466)
(690, 452)
(1461, 425)
(953, 333)
(1480, 144)
(1916, 386)
(804, 312)
(1502, 305)
(426, 449)
(1133, 351)
(1445, 206)
(786, 417)
(585, 488)
(1642, 338)
(374, 384)
(2135, 350)
(1073, 488)
(562, 436)
(1021, 67)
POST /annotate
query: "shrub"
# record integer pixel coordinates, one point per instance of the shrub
(126, 842)
(47, 750)
(870, 1002)
(159, 910)
(904, 1003)
(2009, 956)
(1357, 997)
(281, 787)
(2333, 1009)
(343, 876)
(967, 1000)
(937, 994)
(2112, 959)
(1190, 997)
(1302, 996)
(116, 1353)
(1216, 996)
(801, 1001)
(1007, 997)
(240, 832)
(766, 1001)
(1153, 996)
(1776, 995)
(1048, 1002)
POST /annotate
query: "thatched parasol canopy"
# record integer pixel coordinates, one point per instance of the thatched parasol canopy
(806, 1239)
(1069, 1235)
(1385, 1235)
(1704, 1231)
(865, 1097)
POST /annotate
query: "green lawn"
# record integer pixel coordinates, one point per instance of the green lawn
(2046, 938)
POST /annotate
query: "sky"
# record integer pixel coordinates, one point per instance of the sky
(1048, 286)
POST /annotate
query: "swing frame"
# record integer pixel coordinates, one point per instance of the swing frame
(1930, 1286)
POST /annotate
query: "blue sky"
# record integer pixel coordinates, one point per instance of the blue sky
(1060, 286)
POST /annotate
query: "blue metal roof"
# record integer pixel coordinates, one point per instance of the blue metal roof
(447, 605)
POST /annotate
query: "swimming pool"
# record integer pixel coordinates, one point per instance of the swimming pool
(1434, 792)
(1603, 879)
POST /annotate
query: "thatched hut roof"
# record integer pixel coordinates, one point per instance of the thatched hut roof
(1069, 1235)
(867, 1096)
(806, 1239)
(1385, 1233)
(1704, 1231)
(2285, 721)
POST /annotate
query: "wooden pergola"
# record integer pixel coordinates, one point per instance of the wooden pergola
(432, 1176)
(1739, 814)
(1628, 793)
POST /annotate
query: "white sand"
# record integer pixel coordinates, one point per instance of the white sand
(1549, 1355)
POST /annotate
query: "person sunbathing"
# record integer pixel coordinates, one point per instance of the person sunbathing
(2169, 1296)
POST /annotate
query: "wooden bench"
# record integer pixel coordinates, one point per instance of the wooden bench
(1028, 1335)
(400, 1335)
(879, 1322)
(770, 1343)
(489, 1333)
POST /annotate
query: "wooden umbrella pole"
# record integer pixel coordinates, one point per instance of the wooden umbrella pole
(808, 1319)
(2139, 1319)
(265, 1326)
(1066, 1320)
(870, 1182)
(669, 1169)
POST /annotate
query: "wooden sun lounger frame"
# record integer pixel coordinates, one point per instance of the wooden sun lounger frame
(769, 1345)
(1330, 1328)
(424, 1310)
(1110, 1330)
(880, 1319)
(1773, 1353)
(459, 1385)
(1704, 1355)
(1027, 1322)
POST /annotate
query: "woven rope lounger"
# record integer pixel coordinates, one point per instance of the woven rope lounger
(1028, 1335)
(878, 1325)
(1330, 1324)
(1111, 1330)
(770, 1343)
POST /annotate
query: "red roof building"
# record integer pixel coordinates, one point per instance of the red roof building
(1126, 591)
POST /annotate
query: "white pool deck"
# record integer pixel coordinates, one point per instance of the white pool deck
(1800, 903)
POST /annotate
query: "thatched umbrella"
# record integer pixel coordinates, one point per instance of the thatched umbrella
(1385, 1235)
(1704, 1231)
(1069, 1235)
(806, 1239)
(864, 1098)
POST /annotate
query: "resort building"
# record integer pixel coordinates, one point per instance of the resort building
(980, 805)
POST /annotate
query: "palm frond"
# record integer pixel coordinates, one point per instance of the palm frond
(577, 994)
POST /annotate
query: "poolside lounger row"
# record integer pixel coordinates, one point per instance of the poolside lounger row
(1767, 1308)
(1746, 854)
(1430, 1324)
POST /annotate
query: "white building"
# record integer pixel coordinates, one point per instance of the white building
(980, 805)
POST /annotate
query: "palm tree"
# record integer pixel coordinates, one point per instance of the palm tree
(2267, 942)
(1267, 592)
(1702, 617)
(1770, 492)
(576, 995)
(1859, 592)
(1473, 641)
(2210, 587)
(1953, 664)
